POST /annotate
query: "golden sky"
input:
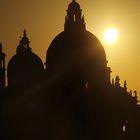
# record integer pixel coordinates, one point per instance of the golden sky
(44, 19)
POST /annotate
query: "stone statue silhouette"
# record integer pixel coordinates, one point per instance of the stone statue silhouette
(2, 58)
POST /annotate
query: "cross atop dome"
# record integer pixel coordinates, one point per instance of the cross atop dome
(24, 40)
(24, 33)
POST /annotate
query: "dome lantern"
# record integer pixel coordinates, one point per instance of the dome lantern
(23, 44)
(74, 19)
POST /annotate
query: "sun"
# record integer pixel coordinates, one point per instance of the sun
(111, 35)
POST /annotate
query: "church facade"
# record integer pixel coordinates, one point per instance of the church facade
(71, 97)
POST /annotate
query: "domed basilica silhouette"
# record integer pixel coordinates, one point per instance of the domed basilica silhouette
(72, 97)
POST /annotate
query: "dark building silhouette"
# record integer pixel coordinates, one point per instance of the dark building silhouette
(75, 50)
(25, 68)
(73, 98)
(2, 67)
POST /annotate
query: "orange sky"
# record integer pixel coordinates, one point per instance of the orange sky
(44, 19)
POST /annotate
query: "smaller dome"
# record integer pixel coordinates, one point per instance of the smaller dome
(24, 70)
(74, 6)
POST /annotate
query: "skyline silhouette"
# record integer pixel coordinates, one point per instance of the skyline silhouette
(72, 96)
(42, 26)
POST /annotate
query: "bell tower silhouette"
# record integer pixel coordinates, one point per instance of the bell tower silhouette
(2, 67)
(74, 19)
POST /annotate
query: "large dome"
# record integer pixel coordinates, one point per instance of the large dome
(68, 47)
(76, 54)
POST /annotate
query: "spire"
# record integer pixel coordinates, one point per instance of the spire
(24, 40)
(24, 33)
(23, 43)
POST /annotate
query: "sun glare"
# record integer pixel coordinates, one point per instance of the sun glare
(111, 35)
